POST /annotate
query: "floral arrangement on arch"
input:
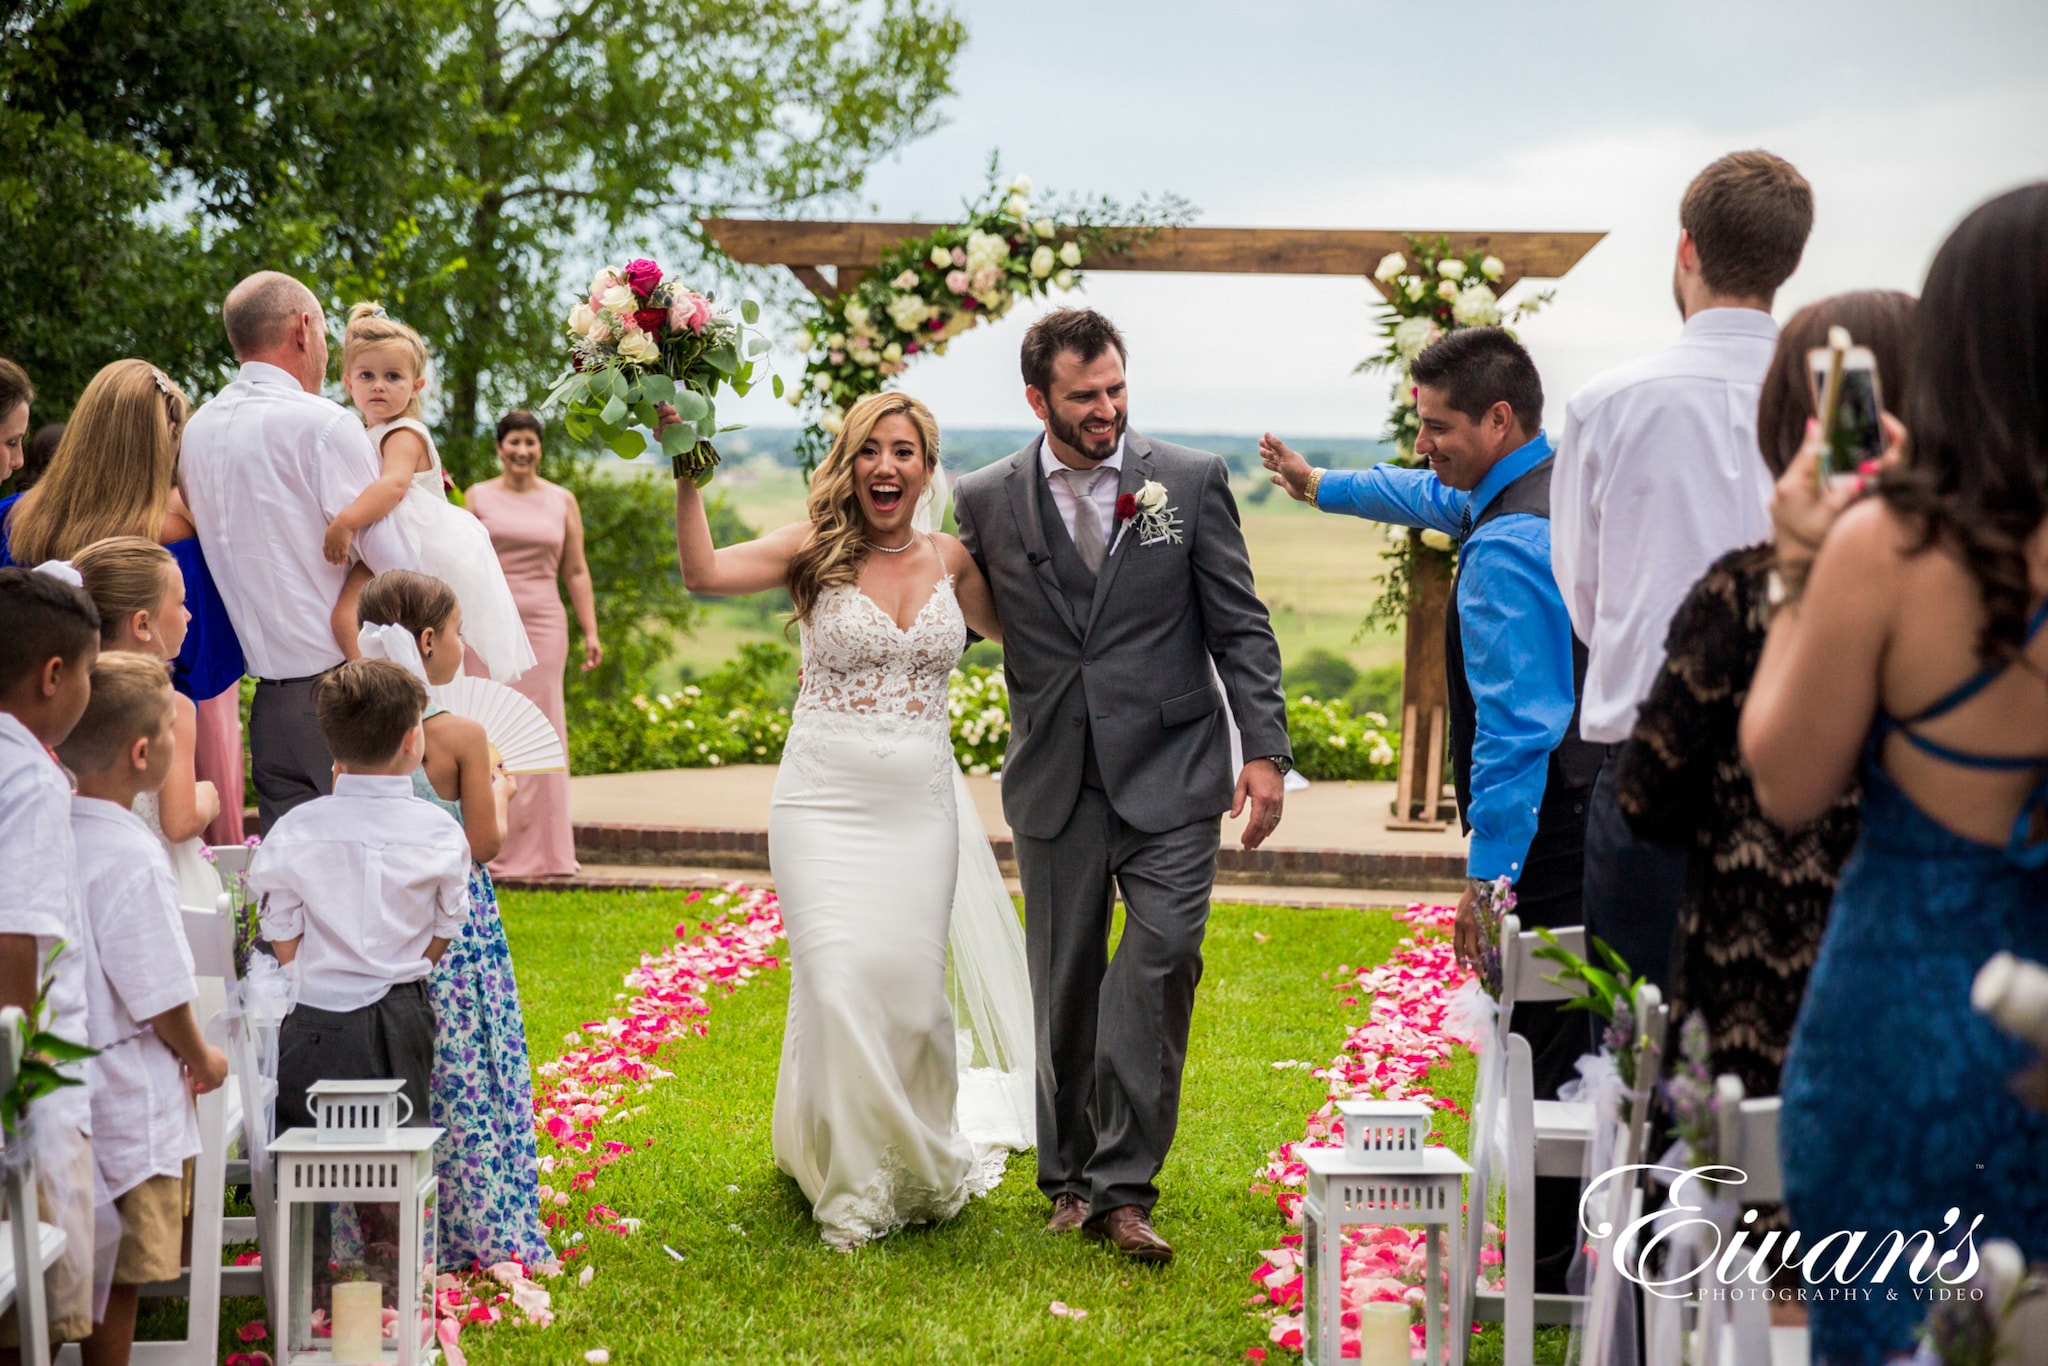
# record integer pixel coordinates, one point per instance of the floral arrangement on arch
(1429, 290)
(929, 290)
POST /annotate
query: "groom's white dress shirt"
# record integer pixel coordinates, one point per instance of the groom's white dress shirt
(1103, 495)
(264, 467)
(1658, 475)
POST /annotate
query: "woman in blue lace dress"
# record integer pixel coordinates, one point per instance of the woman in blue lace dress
(1911, 645)
(482, 1090)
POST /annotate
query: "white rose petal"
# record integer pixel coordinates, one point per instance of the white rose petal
(1041, 262)
(1451, 268)
(1493, 268)
(586, 1276)
(1070, 254)
(941, 258)
(597, 1356)
(1391, 265)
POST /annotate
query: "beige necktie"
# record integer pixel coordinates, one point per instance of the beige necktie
(1087, 517)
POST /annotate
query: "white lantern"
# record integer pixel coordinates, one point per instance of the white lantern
(1383, 1175)
(356, 1210)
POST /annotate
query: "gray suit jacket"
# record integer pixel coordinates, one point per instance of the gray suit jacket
(1138, 665)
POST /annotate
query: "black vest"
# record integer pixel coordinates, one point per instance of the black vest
(1575, 763)
(1077, 581)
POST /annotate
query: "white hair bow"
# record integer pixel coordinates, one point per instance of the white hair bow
(62, 570)
(378, 640)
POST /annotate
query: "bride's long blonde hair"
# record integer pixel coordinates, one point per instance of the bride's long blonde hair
(839, 534)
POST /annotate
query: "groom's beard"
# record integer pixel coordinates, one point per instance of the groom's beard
(1071, 436)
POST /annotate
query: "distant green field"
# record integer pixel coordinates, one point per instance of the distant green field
(1316, 573)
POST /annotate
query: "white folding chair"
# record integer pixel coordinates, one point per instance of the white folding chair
(1537, 1138)
(1624, 1198)
(30, 1243)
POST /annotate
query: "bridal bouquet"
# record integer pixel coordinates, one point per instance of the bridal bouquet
(640, 340)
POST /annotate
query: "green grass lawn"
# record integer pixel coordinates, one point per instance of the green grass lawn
(757, 1284)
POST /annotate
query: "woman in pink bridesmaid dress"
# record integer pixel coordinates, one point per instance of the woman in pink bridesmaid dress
(537, 530)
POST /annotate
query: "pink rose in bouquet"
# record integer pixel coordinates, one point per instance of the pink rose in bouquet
(688, 312)
(643, 275)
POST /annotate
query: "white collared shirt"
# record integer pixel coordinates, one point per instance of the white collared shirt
(39, 894)
(1658, 475)
(143, 1120)
(1103, 495)
(265, 466)
(368, 876)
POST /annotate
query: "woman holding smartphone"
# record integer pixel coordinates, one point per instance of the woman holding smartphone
(1907, 646)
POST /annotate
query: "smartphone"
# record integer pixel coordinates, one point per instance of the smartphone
(1848, 402)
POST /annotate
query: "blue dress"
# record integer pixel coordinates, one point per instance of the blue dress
(1895, 1105)
(211, 661)
(482, 1091)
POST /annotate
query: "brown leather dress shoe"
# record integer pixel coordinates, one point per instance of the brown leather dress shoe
(1130, 1229)
(1069, 1212)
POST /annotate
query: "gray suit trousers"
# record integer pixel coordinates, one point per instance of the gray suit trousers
(1112, 1032)
(288, 756)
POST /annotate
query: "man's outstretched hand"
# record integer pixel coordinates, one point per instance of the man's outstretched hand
(1260, 784)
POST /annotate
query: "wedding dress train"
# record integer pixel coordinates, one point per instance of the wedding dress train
(884, 1115)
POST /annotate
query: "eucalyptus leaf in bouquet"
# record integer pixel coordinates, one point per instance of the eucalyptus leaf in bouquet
(640, 341)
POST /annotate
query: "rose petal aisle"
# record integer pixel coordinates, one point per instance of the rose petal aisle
(1391, 1056)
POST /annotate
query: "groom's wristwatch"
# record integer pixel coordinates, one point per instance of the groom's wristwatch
(1281, 762)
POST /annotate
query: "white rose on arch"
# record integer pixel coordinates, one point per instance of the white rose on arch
(1064, 279)
(1044, 227)
(1447, 289)
(1451, 268)
(941, 258)
(1041, 263)
(907, 280)
(1021, 185)
(1475, 306)
(1017, 207)
(1070, 254)
(1493, 268)
(1391, 265)
(1412, 335)
(832, 420)
(907, 311)
(1414, 290)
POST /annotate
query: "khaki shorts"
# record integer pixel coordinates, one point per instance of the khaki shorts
(153, 1229)
(64, 1198)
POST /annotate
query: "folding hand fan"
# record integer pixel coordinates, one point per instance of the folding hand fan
(518, 731)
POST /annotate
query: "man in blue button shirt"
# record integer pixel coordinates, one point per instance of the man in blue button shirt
(1523, 775)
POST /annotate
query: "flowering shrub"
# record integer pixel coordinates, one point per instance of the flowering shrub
(733, 716)
(978, 706)
(1330, 743)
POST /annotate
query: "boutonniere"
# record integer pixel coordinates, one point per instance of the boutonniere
(1146, 512)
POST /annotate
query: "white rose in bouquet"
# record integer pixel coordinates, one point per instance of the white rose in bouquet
(1017, 207)
(1070, 254)
(907, 280)
(581, 317)
(1021, 185)
(1041, 263)
(1451, 268)
(618, 299)
(1412, 335)
(639, 347)
(600, 332)
(1391, 265)
(1476, 306)
(1493, 268)
(1446, 289)
(1044, 227)
(603, 280)
(941, 258)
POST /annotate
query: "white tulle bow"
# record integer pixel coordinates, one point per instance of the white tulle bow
(377, 640)
(62, 570)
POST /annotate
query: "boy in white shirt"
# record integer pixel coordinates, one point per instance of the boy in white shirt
(49, 638)
(360, 892)
(139, 986)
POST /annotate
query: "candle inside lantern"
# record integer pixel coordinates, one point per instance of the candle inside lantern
(359, 1323)
(1383, 1338)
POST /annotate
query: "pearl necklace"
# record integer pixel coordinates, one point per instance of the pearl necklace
(894, 549)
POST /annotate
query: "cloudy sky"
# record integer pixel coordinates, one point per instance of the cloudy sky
(1317, 113)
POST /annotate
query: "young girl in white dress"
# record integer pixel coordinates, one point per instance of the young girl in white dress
(140, 594)
(384, 364)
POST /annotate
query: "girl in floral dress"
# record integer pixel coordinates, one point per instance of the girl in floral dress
(482, 1090)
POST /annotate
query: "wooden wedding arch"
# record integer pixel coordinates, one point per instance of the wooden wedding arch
(850, 249)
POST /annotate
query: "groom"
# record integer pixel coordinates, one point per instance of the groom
(1120, 574)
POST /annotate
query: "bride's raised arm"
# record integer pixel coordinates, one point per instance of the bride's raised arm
(977, 604)
(749, 567)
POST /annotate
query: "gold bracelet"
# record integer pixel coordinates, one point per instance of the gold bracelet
(1315, 482)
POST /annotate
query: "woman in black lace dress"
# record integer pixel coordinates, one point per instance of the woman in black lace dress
(1756, 897)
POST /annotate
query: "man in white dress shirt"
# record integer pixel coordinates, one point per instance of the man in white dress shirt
(264, 468)
(1659, 474)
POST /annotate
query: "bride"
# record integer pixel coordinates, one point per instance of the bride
(887, 1113)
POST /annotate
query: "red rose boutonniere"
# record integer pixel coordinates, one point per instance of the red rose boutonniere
(1126, 506)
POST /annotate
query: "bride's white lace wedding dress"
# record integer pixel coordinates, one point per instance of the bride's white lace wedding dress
(866, 843)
